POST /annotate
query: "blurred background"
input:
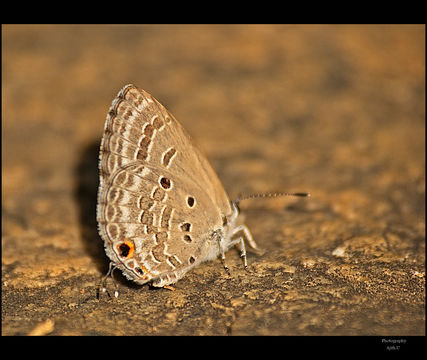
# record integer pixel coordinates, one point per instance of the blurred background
(335, 110)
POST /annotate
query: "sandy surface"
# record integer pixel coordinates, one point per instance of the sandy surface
(338, 111)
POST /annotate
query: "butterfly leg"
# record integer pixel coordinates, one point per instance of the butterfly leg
(242, 249)
(217, 236)
(102, 286)
(223, 261)
(243, 234)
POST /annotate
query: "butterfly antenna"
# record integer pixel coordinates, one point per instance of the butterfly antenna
(241, 197)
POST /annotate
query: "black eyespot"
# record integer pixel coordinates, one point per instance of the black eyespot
(139, 270)
(186, 227)
(165, 183)
(190, 201)
(124, 250)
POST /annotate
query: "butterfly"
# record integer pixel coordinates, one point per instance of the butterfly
(161, 208)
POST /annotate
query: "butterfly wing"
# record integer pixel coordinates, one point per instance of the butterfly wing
(159, 200)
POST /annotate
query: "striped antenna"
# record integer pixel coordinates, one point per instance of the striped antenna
(241, 197)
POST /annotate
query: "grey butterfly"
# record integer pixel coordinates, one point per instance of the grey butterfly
(161, 208)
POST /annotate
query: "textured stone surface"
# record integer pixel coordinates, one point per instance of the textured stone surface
(334, 110)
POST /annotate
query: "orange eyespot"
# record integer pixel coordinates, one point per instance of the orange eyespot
(142, 270)
(126, 249)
